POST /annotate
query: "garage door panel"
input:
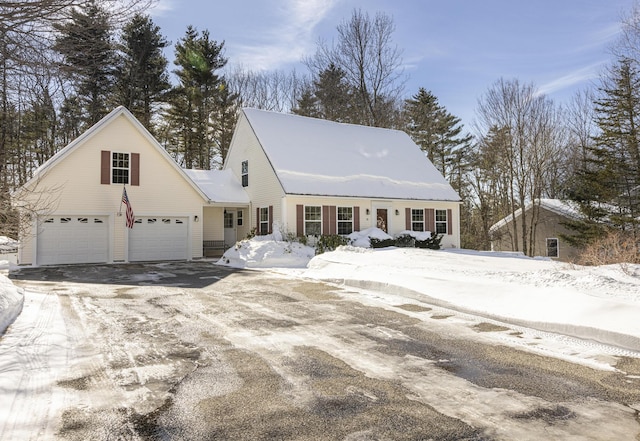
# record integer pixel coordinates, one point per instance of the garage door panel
(158, 238)
(73, 239)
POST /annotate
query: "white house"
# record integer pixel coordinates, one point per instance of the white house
(302, 175)
(313, 176)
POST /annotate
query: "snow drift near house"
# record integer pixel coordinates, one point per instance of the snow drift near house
(11, 301)
(267, 252)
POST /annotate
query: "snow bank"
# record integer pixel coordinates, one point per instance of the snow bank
(267, 252)
(363, 238)
(11, 301)
(600, 304)
(8, 245)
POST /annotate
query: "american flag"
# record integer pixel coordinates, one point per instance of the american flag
(130, 217)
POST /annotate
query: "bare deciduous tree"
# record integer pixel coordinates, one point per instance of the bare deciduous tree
(274, 90)
(531, 141)
(372, 65)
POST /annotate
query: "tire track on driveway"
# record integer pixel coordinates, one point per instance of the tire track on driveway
(33, 354)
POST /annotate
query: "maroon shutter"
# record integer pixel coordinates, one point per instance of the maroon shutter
(325, 220)
(449, 221)
(135, 168)
(430, 220)
(356, 218)
(407, 220)
(105, 167)
(300, 220)
(333, 219)
(270, 227)
(258, 221)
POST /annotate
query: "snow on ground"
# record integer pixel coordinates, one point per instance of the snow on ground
(594, 303)
(601, 304)
(11, 299)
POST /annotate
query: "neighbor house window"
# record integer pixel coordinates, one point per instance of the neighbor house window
(552, 248)
(264, 221)
(417, 220)
(312, 221)
(245, 173)
(119, 168)
(345, 220)
(441, 221)
(239, 218)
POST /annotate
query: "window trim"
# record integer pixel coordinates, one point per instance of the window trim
(414, 212)
(127, 168)
(239, 218)
(443, 223)
(557, 247)
(244, 173)
(344, 222)
(313, 221)
(264, 222)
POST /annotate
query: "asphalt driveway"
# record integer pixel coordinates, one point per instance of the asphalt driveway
(195, 351)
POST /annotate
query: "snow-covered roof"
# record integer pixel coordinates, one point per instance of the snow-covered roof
(219, 185)
(317, 157)
(558, 206)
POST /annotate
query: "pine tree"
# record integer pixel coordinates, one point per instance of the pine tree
(142, 77)
(89, 58)
(333, 94)
(224, 121)
(307, 105)
(438, 133)
(607, 187)
(193, 102)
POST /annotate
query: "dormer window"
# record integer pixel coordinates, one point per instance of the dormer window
(119, 168)
(245, 173)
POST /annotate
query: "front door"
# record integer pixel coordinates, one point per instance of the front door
(229, 229)
(381, 219)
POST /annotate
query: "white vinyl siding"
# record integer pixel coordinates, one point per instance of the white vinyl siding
(264, 188)
(163, 189)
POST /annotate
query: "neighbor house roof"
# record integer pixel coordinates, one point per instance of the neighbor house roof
(220, 186)
(561, 207)
(317, 157)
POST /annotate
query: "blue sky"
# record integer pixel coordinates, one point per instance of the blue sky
(455, 48)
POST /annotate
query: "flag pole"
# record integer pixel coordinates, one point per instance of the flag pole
(120, 209)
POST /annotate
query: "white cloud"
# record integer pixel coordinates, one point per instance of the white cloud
(571, 79)
(162, 7)
(289, 38)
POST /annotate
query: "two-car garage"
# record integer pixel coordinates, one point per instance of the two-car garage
(87, 239)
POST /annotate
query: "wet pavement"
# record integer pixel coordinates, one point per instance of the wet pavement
(195, 351)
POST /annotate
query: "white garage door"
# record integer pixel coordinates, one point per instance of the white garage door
(73, 239)
(158, 238)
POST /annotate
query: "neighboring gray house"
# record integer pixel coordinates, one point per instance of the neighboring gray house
(549, 229)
